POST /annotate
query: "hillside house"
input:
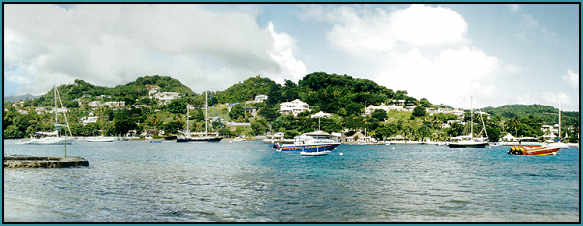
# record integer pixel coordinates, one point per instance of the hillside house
(89, 119)
(294, 107)
(166, 97)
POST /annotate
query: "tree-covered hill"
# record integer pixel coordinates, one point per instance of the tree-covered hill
(247, 90)
(339, 94)
(546, 114)
(345, 95)
(127, 92)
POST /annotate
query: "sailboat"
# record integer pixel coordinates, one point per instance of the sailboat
(187, 136)
(558, 143)
(469, 141)
(54, 136)
(101, 138)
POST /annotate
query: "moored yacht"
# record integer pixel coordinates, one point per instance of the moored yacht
(206, 137)
(54, 136)
(470, 141)
(317, 141)
(48, 138)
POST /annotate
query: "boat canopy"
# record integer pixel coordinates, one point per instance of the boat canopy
(317, 133)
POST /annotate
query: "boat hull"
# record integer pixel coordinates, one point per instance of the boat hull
(314, 153)
(101, 139)
(476, 145)
(49, 141)
(308, 148)
(199, 139)
(533, 150)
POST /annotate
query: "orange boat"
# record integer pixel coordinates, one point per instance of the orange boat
(533, 150)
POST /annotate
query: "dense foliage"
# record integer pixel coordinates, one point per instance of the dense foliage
(342, 95)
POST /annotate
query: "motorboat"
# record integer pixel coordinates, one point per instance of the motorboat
(316, 141)
(533, 150)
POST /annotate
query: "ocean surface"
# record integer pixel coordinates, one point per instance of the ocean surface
(135, 181)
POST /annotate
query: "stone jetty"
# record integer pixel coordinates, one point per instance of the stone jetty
(43, 162)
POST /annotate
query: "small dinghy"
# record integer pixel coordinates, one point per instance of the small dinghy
(314, 153)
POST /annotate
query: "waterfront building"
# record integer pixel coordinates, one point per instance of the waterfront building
(294, 107)
(509, 138)
(550, 131)
(360, 138)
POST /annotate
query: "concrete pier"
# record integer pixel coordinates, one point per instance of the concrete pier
(43, 162)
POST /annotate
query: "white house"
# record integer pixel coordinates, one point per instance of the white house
(114, 104)
(152, 89)
(166, 97)
(260, 98)
(550, 131)
(294, 107)
(371, 108)
(89, 119)
(59, 110)
(509, 138)
(94, 104)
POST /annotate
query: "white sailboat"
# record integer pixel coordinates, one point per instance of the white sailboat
(101, 138)
(54, 136)
(470, 141)
(558, 144)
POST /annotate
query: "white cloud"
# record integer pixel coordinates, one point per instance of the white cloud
(381, 31)
(113, 44)
(421, 25)
(282, 53)
(421, 49)
(572, 79)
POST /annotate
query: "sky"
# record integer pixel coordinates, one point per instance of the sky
(454, 54)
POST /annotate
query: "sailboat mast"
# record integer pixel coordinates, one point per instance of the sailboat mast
(206, 112)
(55, 94)
(471, 119)
(559, 122)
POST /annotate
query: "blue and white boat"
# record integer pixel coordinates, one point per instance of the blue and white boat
(317, 141)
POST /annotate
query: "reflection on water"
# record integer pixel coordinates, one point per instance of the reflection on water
(218, 182)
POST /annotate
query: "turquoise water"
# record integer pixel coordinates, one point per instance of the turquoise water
(137, 181)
